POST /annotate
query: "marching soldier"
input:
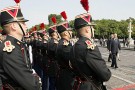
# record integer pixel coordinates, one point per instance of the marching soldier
(14, 67)
(65, 74)
(87, 61)
(52, 67)
(39, 65)
(91, 70)
(43, 45)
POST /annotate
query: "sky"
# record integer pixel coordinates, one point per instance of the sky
(37, 11)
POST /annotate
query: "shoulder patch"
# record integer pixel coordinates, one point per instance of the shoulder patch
(8, 46)
(65, 43)
(90, 45)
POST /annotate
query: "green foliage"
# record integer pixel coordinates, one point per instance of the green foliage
(58, 18)
(104, 27)
(0, 28)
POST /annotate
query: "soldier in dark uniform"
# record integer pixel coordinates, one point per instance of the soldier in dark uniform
(52, 68)
(91, 70)
(65, 75)
(14, 67)
(43, 45)
(39, 65)
(34, 47)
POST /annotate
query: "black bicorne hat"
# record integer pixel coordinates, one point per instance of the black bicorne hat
(11, 14)
(52, 29)
(83, 20)
(63, 27)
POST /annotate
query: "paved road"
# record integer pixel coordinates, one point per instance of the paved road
(125, 74)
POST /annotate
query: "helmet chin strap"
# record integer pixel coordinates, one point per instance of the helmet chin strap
(92, 36)
(58, 35)
(70, 34)
(21, 30)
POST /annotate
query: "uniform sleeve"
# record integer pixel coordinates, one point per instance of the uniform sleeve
(0, 84)
(14, 65)
(98, 65)
(52, 46)
(66, 52)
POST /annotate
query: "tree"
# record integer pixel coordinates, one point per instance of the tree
(104, 27)
(58, 18)
(0, 28)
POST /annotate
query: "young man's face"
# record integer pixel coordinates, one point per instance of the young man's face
(55, 34)
(0, 37)
(24, 27)
(91, 31)
(32, 38)
(45, 37)
(70, 33)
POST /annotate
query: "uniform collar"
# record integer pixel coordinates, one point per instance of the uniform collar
(14, 37)
(11, 38)
(84, 38)
(65, 39)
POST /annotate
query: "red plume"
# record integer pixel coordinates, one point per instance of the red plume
(42, 26)
(53, 19)
(85, 4)
(63, 14)
(35, 28)
(17, 1)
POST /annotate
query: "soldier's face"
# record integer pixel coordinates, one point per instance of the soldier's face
(24, 26)
(32, 38)
(0, 37)
(70, 33)
(17, 29)
(90, 31)
(56, 34)
(45, 37)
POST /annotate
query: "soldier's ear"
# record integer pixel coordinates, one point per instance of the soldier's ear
(13, 26)
(65, 33)
(87, 30)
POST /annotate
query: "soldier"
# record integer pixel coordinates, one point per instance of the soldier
(65, 75)
(91, 70)
(43, 45)
(14, 67)
(52, 68)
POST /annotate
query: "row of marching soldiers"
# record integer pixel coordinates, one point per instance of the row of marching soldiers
(50, 55)
(54, 57)
(64, 65)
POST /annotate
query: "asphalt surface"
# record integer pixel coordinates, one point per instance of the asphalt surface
(124, 76)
